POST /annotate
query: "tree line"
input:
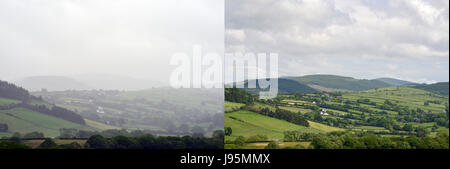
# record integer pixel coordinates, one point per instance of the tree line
(345, 140)
(11, 91)
(238, 96)
(282, 114)
(147, 141)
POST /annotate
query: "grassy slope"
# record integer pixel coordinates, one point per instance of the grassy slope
(251, 124)
(36, 143)
(4, 101)
(323, 127)
(440, 88)
(340, 82)
(99, 125)
(229, 106)
(295, 109)
(262, 145)
(284, 86)
(24, 121)
(406, 96)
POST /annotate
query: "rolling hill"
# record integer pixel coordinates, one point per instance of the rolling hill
(247, 123)
(284, 86)
(51, 83)
(24, 120)
(396, 82)
(440, 88)
(23, 113)
(330, 83)
(161, 110)
(116, 82)
(86, 82)
(339, 82)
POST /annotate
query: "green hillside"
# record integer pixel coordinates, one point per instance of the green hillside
(440, 88)
(23, 113)
(403, 96)
(51, 83)
(161, 110)
(284, 86)
(393, 113)
(231, 106)
(340, 82)
(5, 101)
(23, 120)
(396, 82)
(247, 123)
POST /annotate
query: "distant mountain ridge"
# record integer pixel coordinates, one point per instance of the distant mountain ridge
(440, 88)
(397, 82)
(284, 86)
(51, 83)
(86, 82)
(23, 99)
(329, 83)
(340, 82)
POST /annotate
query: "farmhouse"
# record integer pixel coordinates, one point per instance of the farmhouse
(100, 110)
(323, 112)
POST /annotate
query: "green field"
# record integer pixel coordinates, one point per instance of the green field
(4, 134)
(36, 142)
(295, 109)
(262, 145)
(230, 106)
(404, 96)
(25, 121)
(323, 127)
(258, 105)
(4, 101)
(99, 125)
(246, 123)
(154, 109)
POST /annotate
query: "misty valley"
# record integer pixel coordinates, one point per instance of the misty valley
(81, 114)
(160, 110)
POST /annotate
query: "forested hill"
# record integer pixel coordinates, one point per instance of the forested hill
(397, 82)
(340, 82)
(330, 83)
(51, 83)
(238, 96)
(284, 86)
(18, 97)
(440, 88)
(11, 91)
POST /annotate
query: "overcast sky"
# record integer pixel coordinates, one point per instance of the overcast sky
(117, 37)
(406, 39)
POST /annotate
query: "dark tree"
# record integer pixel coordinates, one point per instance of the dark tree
(3, 127)
(97, 142)
(34, 134)
(48, 144)
(228, 131)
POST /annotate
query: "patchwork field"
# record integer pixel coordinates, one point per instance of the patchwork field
(385, 112)
(404, 96)
(159, 109)
(323, 127)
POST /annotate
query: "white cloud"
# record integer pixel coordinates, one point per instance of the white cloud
(354, 38)
(132, 38)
